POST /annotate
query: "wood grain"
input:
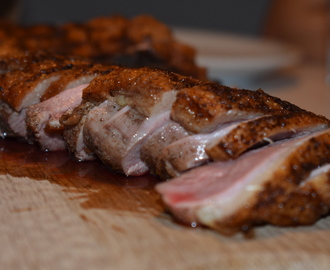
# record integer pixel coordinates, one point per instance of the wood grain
(60, 214)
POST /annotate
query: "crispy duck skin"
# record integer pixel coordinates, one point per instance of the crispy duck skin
(276, 184)
(202, 108)
(25, 60)
(19, 86)
(147, 90)
(81, 74)
(262, 131)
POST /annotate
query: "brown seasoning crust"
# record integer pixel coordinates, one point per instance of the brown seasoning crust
(141, 88)
(284, 200)
(80, 71)
(17, 84)
(197, 108)
(256, 132)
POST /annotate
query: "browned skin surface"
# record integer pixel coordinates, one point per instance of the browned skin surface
(22, 60)
(17, 84)
(28, 61)
(203, 108)
(75, 74)
(252, 133)
(282, 201)
(141, 88)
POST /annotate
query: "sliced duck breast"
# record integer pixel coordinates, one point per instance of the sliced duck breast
(74, 123)
(78, 75)
(234, 195)
(21, 89)
(188, 152)
(153, 146)
(149, 91)
(117, 140)
(43, 118)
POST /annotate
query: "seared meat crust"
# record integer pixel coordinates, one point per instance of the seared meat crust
(282, 200)
(18, 84)
(78, 75)
(262, 131)
(143, 88)
(203, 108)
(25, 60)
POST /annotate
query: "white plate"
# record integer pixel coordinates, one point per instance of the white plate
(229, 56)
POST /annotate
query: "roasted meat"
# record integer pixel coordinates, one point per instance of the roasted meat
(41, 79)
(148, 91)
(203, 116)
(233, 158)
(42, 119)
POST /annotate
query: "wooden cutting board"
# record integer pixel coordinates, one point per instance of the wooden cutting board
(57, 213)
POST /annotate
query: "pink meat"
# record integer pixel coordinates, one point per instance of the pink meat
(45, 116)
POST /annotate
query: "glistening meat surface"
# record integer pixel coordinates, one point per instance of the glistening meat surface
(121, 137)
(188, 152)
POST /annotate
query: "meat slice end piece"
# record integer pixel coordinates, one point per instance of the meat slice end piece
(251, 190)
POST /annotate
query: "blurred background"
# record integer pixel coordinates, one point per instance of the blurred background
(298, 24)
(302, 23)
(239, 16)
